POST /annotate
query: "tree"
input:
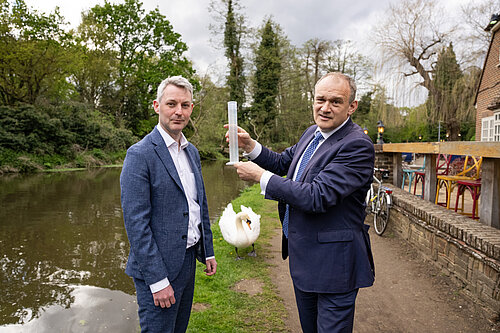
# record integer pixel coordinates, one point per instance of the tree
(233, 34)
(35, 52)
(413, 34)
(314, 53)
(266, 82)
(442, 104)
(476, 15)
(146, 50)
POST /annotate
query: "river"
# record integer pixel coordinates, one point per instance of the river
(63, 249)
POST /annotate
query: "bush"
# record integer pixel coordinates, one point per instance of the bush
(50, 136)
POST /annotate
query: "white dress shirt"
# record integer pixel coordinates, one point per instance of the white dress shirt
(268, 174)
(183, 167)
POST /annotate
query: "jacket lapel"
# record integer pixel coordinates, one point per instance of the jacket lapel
(326, 146)
(301, 147)
(164, 155)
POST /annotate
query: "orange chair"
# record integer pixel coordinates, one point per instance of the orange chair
(442, 168)
(474, 187)
(449, 182)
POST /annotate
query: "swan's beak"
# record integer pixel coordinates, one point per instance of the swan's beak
(248, 223)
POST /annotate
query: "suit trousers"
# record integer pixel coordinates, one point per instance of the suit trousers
(325, 312)
(175, 319)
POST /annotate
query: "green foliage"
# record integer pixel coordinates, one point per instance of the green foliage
(233, 33)
(52, 135)
(139, 49)
(266, 82)
(36, 55)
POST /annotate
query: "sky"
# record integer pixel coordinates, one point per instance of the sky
(300, 20)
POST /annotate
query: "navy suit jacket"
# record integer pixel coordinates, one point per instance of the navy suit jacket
(156, 212)
(328, 242)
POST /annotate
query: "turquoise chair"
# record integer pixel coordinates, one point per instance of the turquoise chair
(410, 174)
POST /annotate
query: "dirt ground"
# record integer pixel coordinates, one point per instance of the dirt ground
(409, 294)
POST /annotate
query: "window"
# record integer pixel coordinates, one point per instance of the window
(497, 127)
(485, 128)
(490, 128)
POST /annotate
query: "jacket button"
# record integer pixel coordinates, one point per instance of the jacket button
(186, 213)
(184, 237)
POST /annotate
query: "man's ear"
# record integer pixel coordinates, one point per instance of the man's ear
(156, 106)
(352, 107)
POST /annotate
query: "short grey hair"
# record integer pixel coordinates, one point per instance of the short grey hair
(350, 80)
(177, 81)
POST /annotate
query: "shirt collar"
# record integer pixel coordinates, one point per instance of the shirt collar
(326, 135)
(169, 141)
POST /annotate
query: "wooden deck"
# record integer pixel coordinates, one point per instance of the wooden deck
(489, 207)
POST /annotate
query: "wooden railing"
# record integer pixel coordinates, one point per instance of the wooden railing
(489, 207)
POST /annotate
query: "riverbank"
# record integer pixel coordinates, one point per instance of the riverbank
(22, 162)
(12, 162)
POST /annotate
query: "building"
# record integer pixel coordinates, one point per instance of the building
(488, 94)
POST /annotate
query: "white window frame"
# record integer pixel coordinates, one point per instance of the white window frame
(487, 128)
(496, 124)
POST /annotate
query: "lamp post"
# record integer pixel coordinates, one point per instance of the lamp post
(380, 128)
(365, 130)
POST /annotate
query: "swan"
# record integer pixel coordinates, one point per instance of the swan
(240, 230)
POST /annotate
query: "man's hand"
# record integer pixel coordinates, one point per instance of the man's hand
(249, 171)
(165, 297)
(211, 267)
(244, 139)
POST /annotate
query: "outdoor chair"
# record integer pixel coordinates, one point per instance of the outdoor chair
(442, 168)
(450, 181)
(409, 172)
(474, 188)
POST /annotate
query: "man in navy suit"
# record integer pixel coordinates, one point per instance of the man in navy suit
(166, 214)
(321, 205)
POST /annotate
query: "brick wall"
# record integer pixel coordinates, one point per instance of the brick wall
(467, 251)
(383, 160)
(488, 87)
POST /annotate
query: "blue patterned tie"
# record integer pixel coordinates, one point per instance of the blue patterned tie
(305, 159)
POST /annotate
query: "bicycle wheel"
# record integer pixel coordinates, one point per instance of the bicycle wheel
(381, 216)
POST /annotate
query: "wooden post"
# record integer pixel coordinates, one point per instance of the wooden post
(489, 204)
(397, 168)
(430, 177)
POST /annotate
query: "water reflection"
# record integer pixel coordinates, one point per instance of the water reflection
(60, 232)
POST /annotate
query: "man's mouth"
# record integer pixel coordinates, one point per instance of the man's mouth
(322, 116)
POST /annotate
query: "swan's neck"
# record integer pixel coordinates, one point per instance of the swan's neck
(239, 223)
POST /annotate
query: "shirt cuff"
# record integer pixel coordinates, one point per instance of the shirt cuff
(160, 285)
(212, 257)
(264, 179)
(254, 153)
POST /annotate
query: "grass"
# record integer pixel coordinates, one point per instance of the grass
(226, 309)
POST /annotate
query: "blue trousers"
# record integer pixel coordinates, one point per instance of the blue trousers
(155, 319)
(326, 313)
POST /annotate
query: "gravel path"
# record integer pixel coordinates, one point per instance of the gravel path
(409, 294)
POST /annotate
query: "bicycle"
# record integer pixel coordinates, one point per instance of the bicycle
(380, 203)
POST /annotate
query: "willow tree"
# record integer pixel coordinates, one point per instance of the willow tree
(413, 35)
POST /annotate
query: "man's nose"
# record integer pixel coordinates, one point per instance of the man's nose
(178, 109)
(326, 106)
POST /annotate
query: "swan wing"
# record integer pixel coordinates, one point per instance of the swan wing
(255, 218)
(227, 224)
